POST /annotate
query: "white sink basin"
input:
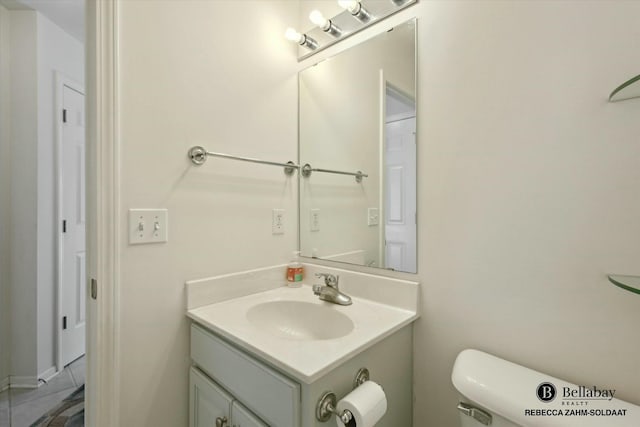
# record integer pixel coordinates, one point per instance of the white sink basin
(298, 320)
(299, 334)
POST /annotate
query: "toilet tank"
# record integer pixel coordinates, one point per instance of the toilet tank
(509, 393)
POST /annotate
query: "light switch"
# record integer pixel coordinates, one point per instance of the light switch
(148, 226)
(277, 221)
(373, 217)
(314, 220)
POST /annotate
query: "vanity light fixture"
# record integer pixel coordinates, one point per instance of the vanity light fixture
(324, 24)
(355, 8)
(302, 39)
(328, 30)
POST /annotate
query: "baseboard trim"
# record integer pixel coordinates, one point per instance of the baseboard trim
(16, 381)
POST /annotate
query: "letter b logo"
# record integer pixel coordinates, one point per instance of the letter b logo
(546, 392)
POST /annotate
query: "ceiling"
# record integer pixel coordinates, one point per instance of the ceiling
(67, 14)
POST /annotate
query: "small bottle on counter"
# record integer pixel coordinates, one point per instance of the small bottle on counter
(295, 272)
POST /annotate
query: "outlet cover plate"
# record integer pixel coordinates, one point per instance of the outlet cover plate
(277, 221)
(314, 220)
(373, 216)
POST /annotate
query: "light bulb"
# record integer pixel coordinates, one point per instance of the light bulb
(293, 35)
(319, 20)
(353, 6)
(302, 39)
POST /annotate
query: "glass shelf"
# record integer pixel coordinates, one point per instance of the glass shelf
(629, 283)
(627, 90)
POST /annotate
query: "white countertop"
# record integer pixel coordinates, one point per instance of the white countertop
(306, 361)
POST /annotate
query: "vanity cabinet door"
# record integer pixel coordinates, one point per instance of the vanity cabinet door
(267, 393)
(209, 405)
(241, 417)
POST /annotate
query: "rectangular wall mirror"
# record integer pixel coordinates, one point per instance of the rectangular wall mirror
(358, 136)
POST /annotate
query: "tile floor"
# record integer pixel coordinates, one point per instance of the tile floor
(21, 407)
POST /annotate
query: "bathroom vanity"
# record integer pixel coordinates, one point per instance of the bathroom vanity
(265, 358)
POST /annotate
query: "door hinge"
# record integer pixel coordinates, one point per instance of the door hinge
(64, 115)
(64, 322)
(64, 225)
(94, 289)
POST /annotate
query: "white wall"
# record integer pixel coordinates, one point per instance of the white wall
(528, 184)
(219, 74)
(24, 143)
(57, 51)
(5, 195)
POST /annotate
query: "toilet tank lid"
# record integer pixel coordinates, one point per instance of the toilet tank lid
(508, 389)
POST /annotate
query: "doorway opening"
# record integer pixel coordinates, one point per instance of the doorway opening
(42, 208)
(399, 181)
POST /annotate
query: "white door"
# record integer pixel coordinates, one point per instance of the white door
(72, 230)
(400, 195)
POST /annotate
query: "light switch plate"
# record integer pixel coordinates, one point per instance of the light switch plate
(373, 216)
(148, 226)
(277, 221)
(314, 220)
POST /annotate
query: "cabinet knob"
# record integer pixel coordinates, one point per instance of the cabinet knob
(221, 422)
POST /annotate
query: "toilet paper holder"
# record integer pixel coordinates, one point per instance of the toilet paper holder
(326, 406)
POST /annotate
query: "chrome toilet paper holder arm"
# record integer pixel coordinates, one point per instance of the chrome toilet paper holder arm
(326, 405)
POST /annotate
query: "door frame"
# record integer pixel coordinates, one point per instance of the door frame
(61, 81)
(382, 142)
(103, 206)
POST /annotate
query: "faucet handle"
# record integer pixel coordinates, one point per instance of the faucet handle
(317, 289)
(333, 281)
(329, 279)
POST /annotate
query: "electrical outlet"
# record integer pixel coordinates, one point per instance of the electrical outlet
(373, 216)
(314, 220)
(148, 226)
(277, 221)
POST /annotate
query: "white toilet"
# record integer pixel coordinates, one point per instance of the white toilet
(499, 393)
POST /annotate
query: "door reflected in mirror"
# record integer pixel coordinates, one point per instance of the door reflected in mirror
(358, 134)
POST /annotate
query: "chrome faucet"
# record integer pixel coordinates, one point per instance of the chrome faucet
(330, 292)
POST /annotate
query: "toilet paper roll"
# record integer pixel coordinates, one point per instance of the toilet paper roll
(367, 403)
